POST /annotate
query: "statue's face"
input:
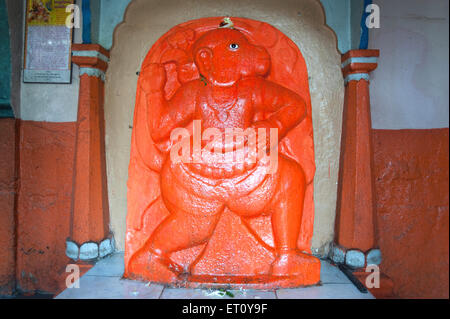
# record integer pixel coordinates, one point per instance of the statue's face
(224, 56)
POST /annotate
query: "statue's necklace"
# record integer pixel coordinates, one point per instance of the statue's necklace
(220, 102)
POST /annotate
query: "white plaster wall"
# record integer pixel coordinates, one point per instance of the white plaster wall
(50, 102)
(409, 90)
(301, 20)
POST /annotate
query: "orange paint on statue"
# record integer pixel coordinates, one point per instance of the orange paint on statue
(222, 224)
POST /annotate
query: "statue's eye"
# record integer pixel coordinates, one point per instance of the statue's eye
(234, 46)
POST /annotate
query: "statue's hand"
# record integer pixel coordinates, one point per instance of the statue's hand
(267, 126)
(153, 78)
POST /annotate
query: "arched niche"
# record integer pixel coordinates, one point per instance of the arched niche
(303, 21)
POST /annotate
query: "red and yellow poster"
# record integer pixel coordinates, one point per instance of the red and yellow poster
(48, 42)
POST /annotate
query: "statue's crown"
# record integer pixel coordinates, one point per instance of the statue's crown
(227, 23)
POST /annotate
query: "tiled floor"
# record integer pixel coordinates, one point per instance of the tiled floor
(104, 281)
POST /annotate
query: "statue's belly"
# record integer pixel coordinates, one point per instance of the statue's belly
(217, 180)
(222, 166)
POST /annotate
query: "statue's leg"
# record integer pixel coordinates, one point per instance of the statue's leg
(193, 215)
(287, 211)
(181, 230)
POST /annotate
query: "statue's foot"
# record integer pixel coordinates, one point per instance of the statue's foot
(168, 263)
(293, 263)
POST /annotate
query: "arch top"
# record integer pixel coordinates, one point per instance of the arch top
(279, 14)
(227, 79)
(147, 21)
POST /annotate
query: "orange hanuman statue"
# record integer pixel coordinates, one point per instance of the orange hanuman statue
(218, 77)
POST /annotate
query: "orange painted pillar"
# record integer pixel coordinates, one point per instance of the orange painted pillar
(90, 236)
(355, 221)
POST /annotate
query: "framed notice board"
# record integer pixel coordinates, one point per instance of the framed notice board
(48, 42)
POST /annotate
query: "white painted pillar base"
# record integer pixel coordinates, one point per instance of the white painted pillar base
(90, 250)
(355, 258)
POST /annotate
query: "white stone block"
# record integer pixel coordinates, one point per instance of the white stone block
(374, 257)
(338, 255)
(88, 251)
(355, 259)
(106, 247)
(72, 250)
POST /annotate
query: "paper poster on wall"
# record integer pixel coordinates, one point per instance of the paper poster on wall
(48, 42)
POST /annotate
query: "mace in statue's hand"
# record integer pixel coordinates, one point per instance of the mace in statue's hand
(153, 78)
